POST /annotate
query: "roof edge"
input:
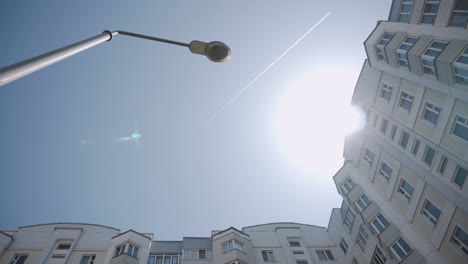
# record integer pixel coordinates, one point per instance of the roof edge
(68, 223)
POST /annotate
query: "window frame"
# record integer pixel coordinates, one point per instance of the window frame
(403, 49)
(428, 61)
(235, 245)
(403, 246)
(431, 15)
(124, 248)
(457, 242)
(380, 221)
(173, 259)
(378, 257)
(382, 43)
(415, 147)
(431, 109)
(463, 124)
(402, 13)
(269, 254)
(425, 159)
(442, 165)
(455, 11)
(344, 246)
(91, 260)
(327, 253)
(427, 214)
(348, 184)
(460, 170)
(361, 203)
(362, 238)
(19, 258)
(404, 139)
(406, 100)
(349, 218)
(368, 156)
(386, 91)
(404, 192)
(382, 170)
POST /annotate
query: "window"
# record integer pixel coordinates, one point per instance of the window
(460, 128)
(429, 156)
(405, 189)
(379, 223)
(369, 156)
(405, 10)
(268, 256)
(58, 256)
(400, 249)
(406, 101)
(460, 176)
(430, 211)
(301, 262)
(231, 245)
(294, 243)
(298, 252)
(163, 259)
(460, 240)
(385, 171)
(442, 165)
(324, 254)
(349, 219)
(403, 50)
(386, 91)
(404, 138)
(64, 246)
(347, 186)
(430, 11)
(378, 257)
(430, 55)
(362, 202)
(393, 132)
(128, 249)
(362, 238)
(383, 126)
(343, 246)
(88, 259)
(19, 259)
(460, 14)
(415, 148)
(431, 113)
(460, 68)
(380, 47)
(198, 254)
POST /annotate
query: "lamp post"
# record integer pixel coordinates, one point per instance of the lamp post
(215, 51)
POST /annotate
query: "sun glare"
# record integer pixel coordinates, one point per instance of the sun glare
(312, 119)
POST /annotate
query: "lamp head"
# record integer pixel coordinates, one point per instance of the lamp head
(217, 51)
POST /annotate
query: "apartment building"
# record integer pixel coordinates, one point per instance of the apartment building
(403, 182)
(58, 243)
(404, 178)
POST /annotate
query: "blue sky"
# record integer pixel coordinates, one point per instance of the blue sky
(60, 157)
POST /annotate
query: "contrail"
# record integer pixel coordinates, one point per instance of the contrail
(215, 115)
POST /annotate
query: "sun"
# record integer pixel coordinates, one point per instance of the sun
(312, 119)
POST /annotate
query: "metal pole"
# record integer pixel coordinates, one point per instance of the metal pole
(20, 69)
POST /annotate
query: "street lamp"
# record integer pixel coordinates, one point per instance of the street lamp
(215, 51)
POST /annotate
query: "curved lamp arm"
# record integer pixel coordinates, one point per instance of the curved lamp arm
(215, 51)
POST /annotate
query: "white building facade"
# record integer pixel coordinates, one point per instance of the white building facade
(404, 178)
(60, 243)
(403, 183)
